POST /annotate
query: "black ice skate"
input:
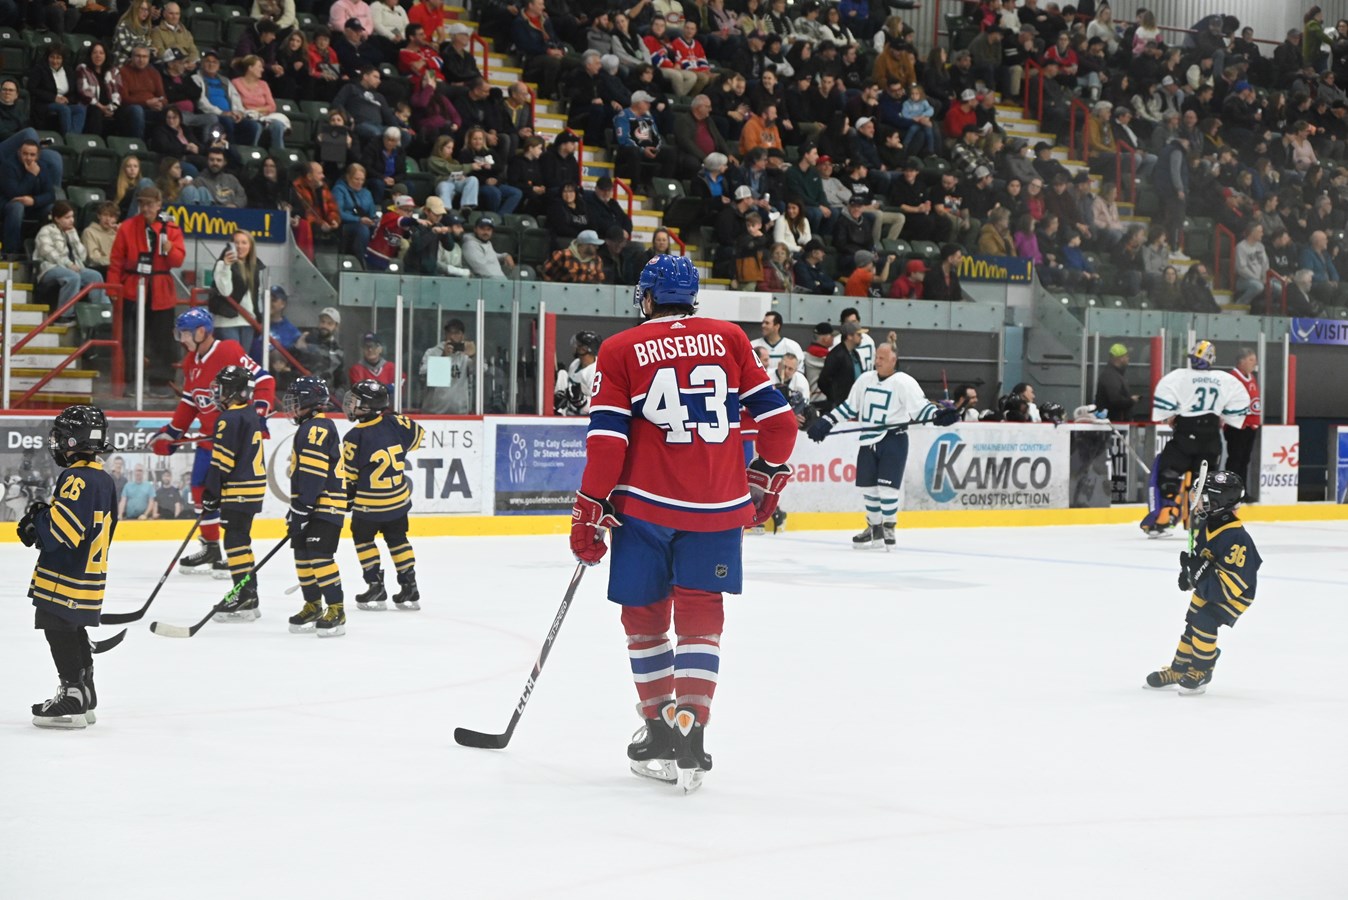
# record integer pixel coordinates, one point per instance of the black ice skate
(242, 608)
(1164, 679)
(90, 695)
(887, 530)
(408, 597)
(220, 570)
(652, 751)
(870, 536)
(1195, 680)
(332, 623)
(375, 597)
(66, 710)
(305, 621)
(203, 561)
(693, 762)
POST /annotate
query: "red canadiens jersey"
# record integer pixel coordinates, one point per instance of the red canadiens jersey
(1254, 418)
(199, 371)
(664, 441)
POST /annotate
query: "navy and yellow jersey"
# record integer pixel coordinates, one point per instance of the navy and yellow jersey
(1230, 581)
(73, 536)
(238, 472)
(316, 485)
(373, 459)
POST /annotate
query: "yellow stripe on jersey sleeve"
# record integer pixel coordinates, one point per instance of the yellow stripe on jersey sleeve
(66, 523)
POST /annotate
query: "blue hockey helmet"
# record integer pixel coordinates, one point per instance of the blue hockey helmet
(190, 321)
(305, 396)
(1203, 355)
(671, 281)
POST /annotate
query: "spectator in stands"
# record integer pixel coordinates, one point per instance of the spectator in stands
(895, 63)
(1299, 301)
(288, 74)
(1251, 265)
(696, 135)
(526, 174)
(455, 177)
(389, 25)
(909, 285)
(943, 281)
(778, 277)
(921, 134)
(367, 107)
(460, 62)
(219, 98)
(177, 187)
(428, 235)
(147, 248)
(225, 188)
(853, 231)
(137, 496)
(480, 256)
(642, 151)
(266, 190)
(356, 207)
(842, 367)
(390, 234)
(804, 181)
(1326, 289)
(809, 271)
(792, 228)
(169, 140)
(167, 502)
(27, 190)
(373, 366)
(712, 185)
(915, 202)
(283, 332)
(258, 103)
(865, 281)
(99, 235)
(603, 211)
(61, 258)
(540, 48)
(621, 257)
(385, 162)
(322, 349)
(343, 11)
(568, 215)
(1112, 393)
(1171, 178)
(578, 263)
(995, 237)
(314, 209)
(171, 34)
(55, 93)
(496, 195)
(99, 87)
(456, 397)
(142, 92)
(133, 31)
(238, 276)
(965, 400)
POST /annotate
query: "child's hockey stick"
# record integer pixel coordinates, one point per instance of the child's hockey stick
(180, 631)
(123, 618)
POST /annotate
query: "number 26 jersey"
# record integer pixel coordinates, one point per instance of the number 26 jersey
(664, 441)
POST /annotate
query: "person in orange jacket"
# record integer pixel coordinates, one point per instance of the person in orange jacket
(148, 246)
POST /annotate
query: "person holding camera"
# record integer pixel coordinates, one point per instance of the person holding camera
(237, 274)
(455, 398)
(147, 248)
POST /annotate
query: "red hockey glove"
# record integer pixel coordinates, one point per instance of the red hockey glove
(765, 487)
(587, 517)
(162, 441)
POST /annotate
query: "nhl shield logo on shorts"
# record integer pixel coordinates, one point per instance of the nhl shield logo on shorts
(722, 571)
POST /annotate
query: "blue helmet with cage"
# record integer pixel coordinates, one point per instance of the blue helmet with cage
(1203, 355)
(194, 318)
(671, 280)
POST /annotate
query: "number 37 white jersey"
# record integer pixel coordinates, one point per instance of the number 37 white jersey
(1201, 392)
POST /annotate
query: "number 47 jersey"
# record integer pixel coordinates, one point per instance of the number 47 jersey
(664, 440)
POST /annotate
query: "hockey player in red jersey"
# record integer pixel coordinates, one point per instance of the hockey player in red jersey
(204, 358)
(665, 471)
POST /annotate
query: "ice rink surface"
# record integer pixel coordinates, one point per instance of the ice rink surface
(961, 718)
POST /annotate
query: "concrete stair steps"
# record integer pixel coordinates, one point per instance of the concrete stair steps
(76, 382)
(53, 336)
(29, 314)
(31, 357)
(23, 293)
(50, 399)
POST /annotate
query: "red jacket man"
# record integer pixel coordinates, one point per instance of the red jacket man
(148, 247)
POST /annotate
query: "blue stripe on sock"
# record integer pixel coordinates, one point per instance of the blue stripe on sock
(647, 664)
(709, 662)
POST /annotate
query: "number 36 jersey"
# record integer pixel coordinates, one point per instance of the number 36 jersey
(373, 459)
(74, 535)
(664, 441)
(1191, 393)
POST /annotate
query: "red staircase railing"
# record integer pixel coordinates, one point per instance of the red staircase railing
(619, 184)
(1032, 66)
(1223, 231)
(476, 40)
(1269, 277)
(118, 364)
(1078, 104)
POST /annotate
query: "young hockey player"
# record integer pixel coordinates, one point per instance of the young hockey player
(1221, 572)
(882, 397)
(318, 504)
(72, 534)
(374, 455)
(204, 358)
(235, 484)
(663, 461)
(1194, 402)
(571, 395)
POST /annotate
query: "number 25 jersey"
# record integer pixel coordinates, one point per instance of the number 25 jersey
(373, 460)
(664, 441)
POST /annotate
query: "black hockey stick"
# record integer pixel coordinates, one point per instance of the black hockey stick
(470, 738)
(124, 618)
(1196, 502)
(104, 646)
(180, 631)
(897, 426)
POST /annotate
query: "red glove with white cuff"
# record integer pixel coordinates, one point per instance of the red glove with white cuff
(765, 487)
(588, 516)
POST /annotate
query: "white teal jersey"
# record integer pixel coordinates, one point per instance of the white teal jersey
(1201, 392)
(866, 350)
(778, 350)
(882, 402)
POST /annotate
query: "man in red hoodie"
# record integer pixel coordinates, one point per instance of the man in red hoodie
(961, 114)
(815, 354)
(908, 286)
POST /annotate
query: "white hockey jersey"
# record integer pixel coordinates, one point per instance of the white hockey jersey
(778, 350)
(1200, 392)
(575, 386)
(866, 350)
(882, 402)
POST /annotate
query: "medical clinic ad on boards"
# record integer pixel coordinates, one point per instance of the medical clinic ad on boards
(539, 463)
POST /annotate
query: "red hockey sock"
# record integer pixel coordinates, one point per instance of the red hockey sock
(650, 653)
(698, 619)
(210, 522)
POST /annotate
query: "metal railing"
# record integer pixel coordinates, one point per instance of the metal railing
(1077, 104)
(118, 364)
(1032, 67)
(1223, 231)
(476, 40)
(620, 185)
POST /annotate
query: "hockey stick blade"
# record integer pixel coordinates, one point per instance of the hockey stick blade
(164, 629)
(127, 618)
(107, 644)
(468, 738)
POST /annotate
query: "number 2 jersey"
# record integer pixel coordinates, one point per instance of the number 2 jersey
(74, 535)
(373, 459)
(664, 442)
(238, 472)
(1201, 399)
(316, 485)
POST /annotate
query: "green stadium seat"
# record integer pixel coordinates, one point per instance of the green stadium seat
(83, 142)
(54, 136)
(208, 29)
(126, 146)
(535, 246)
(99, 165)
